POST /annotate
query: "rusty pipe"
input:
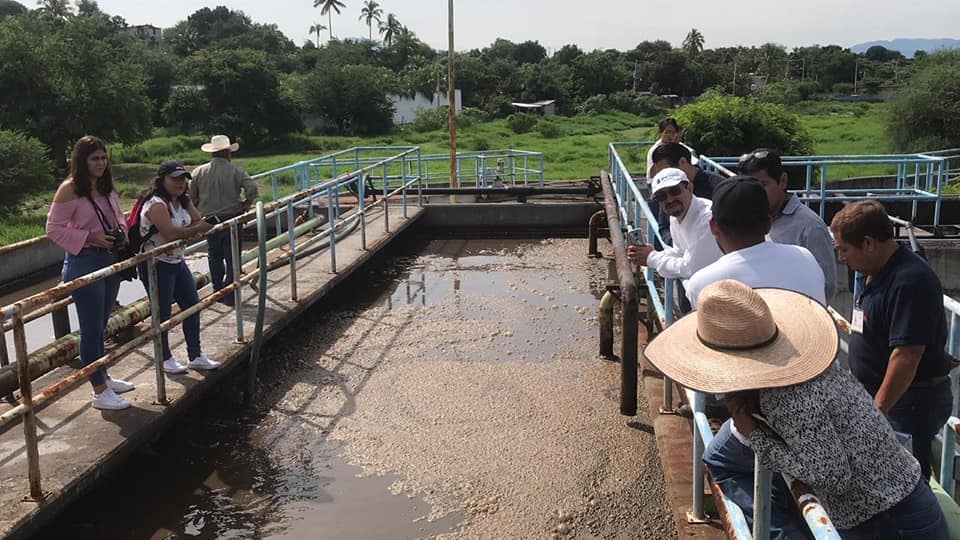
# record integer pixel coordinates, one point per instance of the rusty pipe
(593, 232)
(605, 321)
(629, 302)
(65, 349)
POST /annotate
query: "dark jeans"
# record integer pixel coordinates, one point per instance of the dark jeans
(921, 412)
(731, 467)
(220, 259)
(918, 516)
(175, 283)
(93, 302)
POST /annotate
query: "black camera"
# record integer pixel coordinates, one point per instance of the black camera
(119, 237)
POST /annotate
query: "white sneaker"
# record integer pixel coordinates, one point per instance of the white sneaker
(202, 363)
(170, 365)
(119, 385)
(108, 400)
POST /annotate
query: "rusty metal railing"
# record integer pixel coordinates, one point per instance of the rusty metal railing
(16, 315)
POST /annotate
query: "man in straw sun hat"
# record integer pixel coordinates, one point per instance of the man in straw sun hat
(216, 191)
(771, 354)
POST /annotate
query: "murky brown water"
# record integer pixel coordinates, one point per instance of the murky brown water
(464, 376)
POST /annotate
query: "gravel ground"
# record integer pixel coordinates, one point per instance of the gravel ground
(475, 382)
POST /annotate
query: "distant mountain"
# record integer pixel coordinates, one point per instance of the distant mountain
(909, 46)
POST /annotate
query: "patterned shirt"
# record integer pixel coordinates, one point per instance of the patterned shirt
(830, 436)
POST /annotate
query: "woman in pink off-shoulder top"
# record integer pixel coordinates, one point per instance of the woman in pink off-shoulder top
(73, 223)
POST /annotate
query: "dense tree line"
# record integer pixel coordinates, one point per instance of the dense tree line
(68, 70)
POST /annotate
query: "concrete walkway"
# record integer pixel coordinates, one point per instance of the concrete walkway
(78, 444)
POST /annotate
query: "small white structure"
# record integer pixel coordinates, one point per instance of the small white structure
(405, 108)
(546, 107)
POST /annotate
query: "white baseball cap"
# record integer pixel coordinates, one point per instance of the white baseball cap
(668, 177)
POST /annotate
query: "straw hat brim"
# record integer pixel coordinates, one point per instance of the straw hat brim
(805, 346)
(208, 147)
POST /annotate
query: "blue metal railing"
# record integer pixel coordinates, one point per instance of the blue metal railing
(635, 213)
(920, 178)
(480, 169)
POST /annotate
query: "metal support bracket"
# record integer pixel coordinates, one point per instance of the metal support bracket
(694, 520)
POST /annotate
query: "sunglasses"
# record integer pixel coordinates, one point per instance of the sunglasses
(754, 160)
(672, 191)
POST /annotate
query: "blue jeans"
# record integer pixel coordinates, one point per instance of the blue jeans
(220, 259)
(93, 302)
(918, 516)
(731, 467)
(921, 412)
(175, 283)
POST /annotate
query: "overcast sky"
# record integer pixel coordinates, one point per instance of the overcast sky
(595, 24)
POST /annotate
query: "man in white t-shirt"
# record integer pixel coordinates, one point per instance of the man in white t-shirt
(693, 245)
(740, 223)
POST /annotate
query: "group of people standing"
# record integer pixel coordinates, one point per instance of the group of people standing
(85, 219)
(758, 268)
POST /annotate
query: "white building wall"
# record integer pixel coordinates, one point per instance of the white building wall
(405, 108)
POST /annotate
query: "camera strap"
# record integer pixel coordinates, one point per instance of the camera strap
(103, 219)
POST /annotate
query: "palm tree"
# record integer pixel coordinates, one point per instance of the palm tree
(390, 29)
(58, 8)
(316, 29)
(693, 43)
(328, 6)
(371, 12)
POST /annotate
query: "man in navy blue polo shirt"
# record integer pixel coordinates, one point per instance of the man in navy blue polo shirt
(898, 328)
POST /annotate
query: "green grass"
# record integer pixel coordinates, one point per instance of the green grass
(579, 152)
(847, 129)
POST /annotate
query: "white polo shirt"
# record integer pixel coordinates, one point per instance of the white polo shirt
(694, 246)
(765, 265)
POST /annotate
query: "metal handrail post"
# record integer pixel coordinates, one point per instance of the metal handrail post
(541, 170)
(419, 167)
(331, 223)
(155, 325)
(762, 481)
(386, 205)
(362, 211)
(936, 205)
(525, 168)
(237, 270)
(403, 180)
(292, 237)
(668, 320)
(26, 398)
(420, 191)
(823, 190)
(698, 514)
(261, 301)
(276, 195)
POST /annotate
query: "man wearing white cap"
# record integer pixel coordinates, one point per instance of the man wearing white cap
(694, 247)
(216, 190)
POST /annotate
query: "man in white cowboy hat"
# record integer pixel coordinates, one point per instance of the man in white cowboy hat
(771, 354)
(693, 245)
(216, 191)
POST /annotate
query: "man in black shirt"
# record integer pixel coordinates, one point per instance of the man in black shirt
(898, 328)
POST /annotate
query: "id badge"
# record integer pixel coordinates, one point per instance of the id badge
(856, 324)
